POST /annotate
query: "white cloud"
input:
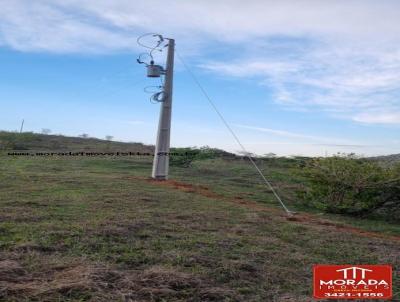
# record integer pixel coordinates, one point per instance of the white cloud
(305, 138)
(378, 118)
(282, 133)
(338, 56)
(238, 20)
(39, 26)
(70, 25)
(285, 142)
(349, 82)
(263, 67)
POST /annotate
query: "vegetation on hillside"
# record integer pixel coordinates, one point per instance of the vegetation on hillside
(184, 157)
(350, 185)
(36, 142)
(98, 229)
(339, 184)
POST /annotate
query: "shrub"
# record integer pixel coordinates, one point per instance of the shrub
(183, 157)
(348, 185)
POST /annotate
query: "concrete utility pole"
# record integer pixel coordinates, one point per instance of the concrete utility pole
(161, 154)
(22, 126)
(164, 96)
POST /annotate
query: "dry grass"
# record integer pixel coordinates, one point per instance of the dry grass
(81, 281)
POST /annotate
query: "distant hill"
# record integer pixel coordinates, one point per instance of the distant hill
(388, 159)
(29, 141)
(43, 142)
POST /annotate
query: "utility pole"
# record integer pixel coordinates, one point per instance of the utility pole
(22, 126)
(161, 154)
(164, 96)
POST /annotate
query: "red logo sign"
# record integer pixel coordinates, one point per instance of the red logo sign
(352, 281)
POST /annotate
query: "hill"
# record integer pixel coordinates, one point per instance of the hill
(98, 229)
(44, 142)
(388, 159)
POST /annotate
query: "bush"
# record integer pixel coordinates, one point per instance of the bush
(348, 185)
(183, 157)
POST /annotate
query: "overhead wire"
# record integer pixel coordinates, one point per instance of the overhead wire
(152, 48)
(247, 154)
(159, 95)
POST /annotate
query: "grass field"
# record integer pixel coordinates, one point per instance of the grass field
(98, 229)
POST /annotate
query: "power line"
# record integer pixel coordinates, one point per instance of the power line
(233, 133)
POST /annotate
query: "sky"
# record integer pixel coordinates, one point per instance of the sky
(291, 77)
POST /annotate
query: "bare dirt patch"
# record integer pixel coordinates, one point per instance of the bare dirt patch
(303, 218)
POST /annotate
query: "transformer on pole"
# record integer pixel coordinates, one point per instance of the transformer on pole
(164, 96)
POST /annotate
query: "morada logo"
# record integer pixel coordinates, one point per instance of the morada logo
(352, 281)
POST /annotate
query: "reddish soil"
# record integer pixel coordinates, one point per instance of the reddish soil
(304, 218)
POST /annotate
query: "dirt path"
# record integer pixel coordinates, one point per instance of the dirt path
(303, 218)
